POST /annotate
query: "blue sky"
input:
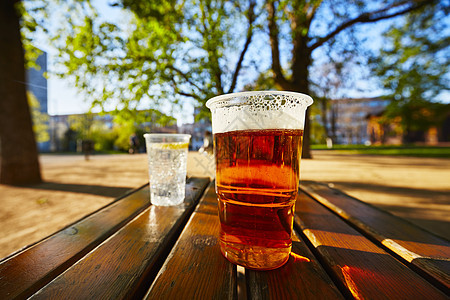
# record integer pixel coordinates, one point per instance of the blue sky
(66, 99)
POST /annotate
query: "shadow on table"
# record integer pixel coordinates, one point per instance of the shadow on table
(420, 206)
(99, 190)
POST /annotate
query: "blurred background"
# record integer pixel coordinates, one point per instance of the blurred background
(84, 76)
(100, 71)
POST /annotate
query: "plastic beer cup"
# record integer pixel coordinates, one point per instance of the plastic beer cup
(258, 145)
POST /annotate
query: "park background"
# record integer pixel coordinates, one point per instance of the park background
(95, 72)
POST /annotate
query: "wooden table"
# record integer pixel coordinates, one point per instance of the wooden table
(343, 248)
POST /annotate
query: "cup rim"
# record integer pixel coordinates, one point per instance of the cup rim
(228, 97)
(167, 138)
(167, 134)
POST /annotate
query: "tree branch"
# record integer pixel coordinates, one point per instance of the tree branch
(185, 77)
(211, 49)
(372, 17)
(274, 44)
(251, 18)
(177, 90)
(310, 11)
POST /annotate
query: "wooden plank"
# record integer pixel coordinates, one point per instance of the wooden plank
(423, 250)
(124, 265)
(28, 270)
(301, 277)
(357, 265)
(195, 269)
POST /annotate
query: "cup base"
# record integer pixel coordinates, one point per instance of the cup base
(255, 257)
(165, 201)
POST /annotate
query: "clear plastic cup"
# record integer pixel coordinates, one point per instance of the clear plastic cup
(258, 146)
(167, 163)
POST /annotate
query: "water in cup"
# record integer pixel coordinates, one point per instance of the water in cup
(167, 162)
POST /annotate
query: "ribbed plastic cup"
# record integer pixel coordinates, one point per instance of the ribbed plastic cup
(258, 145)
(167, 163)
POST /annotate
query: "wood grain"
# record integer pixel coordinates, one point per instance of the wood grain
(357, 265)
(124, 265)
(195, 269)
(425, 251)
(130, 249)
(30, 269)
(301, 277)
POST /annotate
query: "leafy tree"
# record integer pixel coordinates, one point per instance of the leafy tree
(124, 123)
(170, 51)
(173, 50)
(87, 128)
(82, 124)
(187, 46)
(265, 81)
(413, 68)
(129, 121)
(307, 26)
(104, 140)
(298, 29)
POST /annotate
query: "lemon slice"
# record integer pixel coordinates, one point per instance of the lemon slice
(172, 146)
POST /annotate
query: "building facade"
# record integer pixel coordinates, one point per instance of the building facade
(63, 138)
(392, 133)
(348, 119)
(197, 130)
(36, 83)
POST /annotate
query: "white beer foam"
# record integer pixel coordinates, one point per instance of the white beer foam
(258, 110)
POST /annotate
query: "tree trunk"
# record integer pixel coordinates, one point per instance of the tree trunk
(306, 150)
(19, 162)
(301, 59)
(334, 113)
(300, 83)
(324, 113)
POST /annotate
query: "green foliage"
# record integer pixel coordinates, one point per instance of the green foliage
(40, 120)
(318, 132)
(162, 52)
(87, 127)
(264, 82)
(104, 140)
(414, 69)
(123, 134)
(114, 134)
(416, 151)
(31, 22)
(82, 124)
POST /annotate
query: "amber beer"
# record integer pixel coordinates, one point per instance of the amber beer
(257, 182)
(257, 143)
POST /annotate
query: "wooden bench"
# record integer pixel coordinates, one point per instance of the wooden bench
(343, 248)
